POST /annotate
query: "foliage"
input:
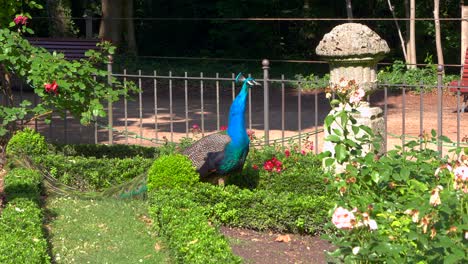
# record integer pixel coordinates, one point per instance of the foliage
(21, 235)
(312, 81)
(92, 173)
(12, 8)
(106, 151)
(397, 207)
(186, 229)
(171, 171)
(398, 73)
(25, 183)
(62, 85)
(27, 142)
(300, 170)
(257, 209)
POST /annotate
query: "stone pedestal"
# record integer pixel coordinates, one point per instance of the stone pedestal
(369, 116)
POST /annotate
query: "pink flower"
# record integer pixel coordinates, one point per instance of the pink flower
(287, 153)
(461, 173)
(195, 126)
(51, 87)
(223, 128)
(435, 197)
(343, 219)
(357, 96)
(303, 152)
(20, 20)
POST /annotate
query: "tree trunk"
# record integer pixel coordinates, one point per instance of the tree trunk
(412, 39)
(60, 24)
(349, 10)
(110, 28)
(440, 54)
(129, 27)
(400, 35)
(407, 34)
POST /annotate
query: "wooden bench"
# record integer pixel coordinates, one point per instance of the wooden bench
(462, 85)
(72, 48)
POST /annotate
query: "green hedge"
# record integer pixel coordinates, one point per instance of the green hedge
(187, 231)
(259, 209)
(90, 173)
(106, 151)
(22, 238)
(182, 216)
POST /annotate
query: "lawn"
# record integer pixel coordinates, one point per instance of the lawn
(102, 231)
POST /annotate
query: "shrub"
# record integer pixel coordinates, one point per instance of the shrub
(92, 173)
(187, 231)
(28, 142)
(21, 182)
(21, 235)
(406, 206)
(172, 171)
(107, 151)
(258, 209)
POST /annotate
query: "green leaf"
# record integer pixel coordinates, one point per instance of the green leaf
(340, 153)
(404, 174)
(333, 138)
(328, 121)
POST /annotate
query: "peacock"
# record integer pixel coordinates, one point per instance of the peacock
(215, 155)
(222, 154)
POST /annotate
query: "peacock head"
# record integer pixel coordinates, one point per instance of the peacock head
(249, 81)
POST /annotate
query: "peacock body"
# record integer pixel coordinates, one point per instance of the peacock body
(222, 154)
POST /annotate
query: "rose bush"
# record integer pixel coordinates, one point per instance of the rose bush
(408, 205)
(80, 87)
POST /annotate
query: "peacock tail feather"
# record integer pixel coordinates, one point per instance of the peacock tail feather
(135, 188)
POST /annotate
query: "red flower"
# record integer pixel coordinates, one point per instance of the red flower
(251, 134)
(287, 153)
(20, 20)
(255, 167)
(273, 164)
(223, 128)
(51, 87)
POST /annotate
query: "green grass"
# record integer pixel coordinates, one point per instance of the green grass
(102, 231)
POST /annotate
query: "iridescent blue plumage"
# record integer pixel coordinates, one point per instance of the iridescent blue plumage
(223, 154)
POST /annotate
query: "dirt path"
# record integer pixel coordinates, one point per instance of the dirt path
(272, 248)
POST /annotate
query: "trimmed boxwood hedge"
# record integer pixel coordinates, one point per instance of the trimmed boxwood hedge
(93, 174)
(187, 232)
(182, 216)
(258, 209)
(22, 239)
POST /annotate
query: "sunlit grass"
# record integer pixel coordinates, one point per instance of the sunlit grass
(102, 231)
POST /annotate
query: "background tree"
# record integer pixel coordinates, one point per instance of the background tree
(60, 18)
(117, 23)
(440, 54)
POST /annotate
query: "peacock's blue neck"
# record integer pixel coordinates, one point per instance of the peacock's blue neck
(236, 127)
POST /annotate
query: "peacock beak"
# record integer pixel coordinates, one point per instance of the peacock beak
(253, 83)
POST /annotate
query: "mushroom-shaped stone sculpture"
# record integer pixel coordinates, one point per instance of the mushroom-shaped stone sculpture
(352, 51)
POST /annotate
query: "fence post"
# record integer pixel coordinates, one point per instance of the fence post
(89, 26)
(266, 100)
(440, 69)
(109, 102)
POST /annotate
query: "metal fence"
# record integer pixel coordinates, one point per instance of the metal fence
(171, 107)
